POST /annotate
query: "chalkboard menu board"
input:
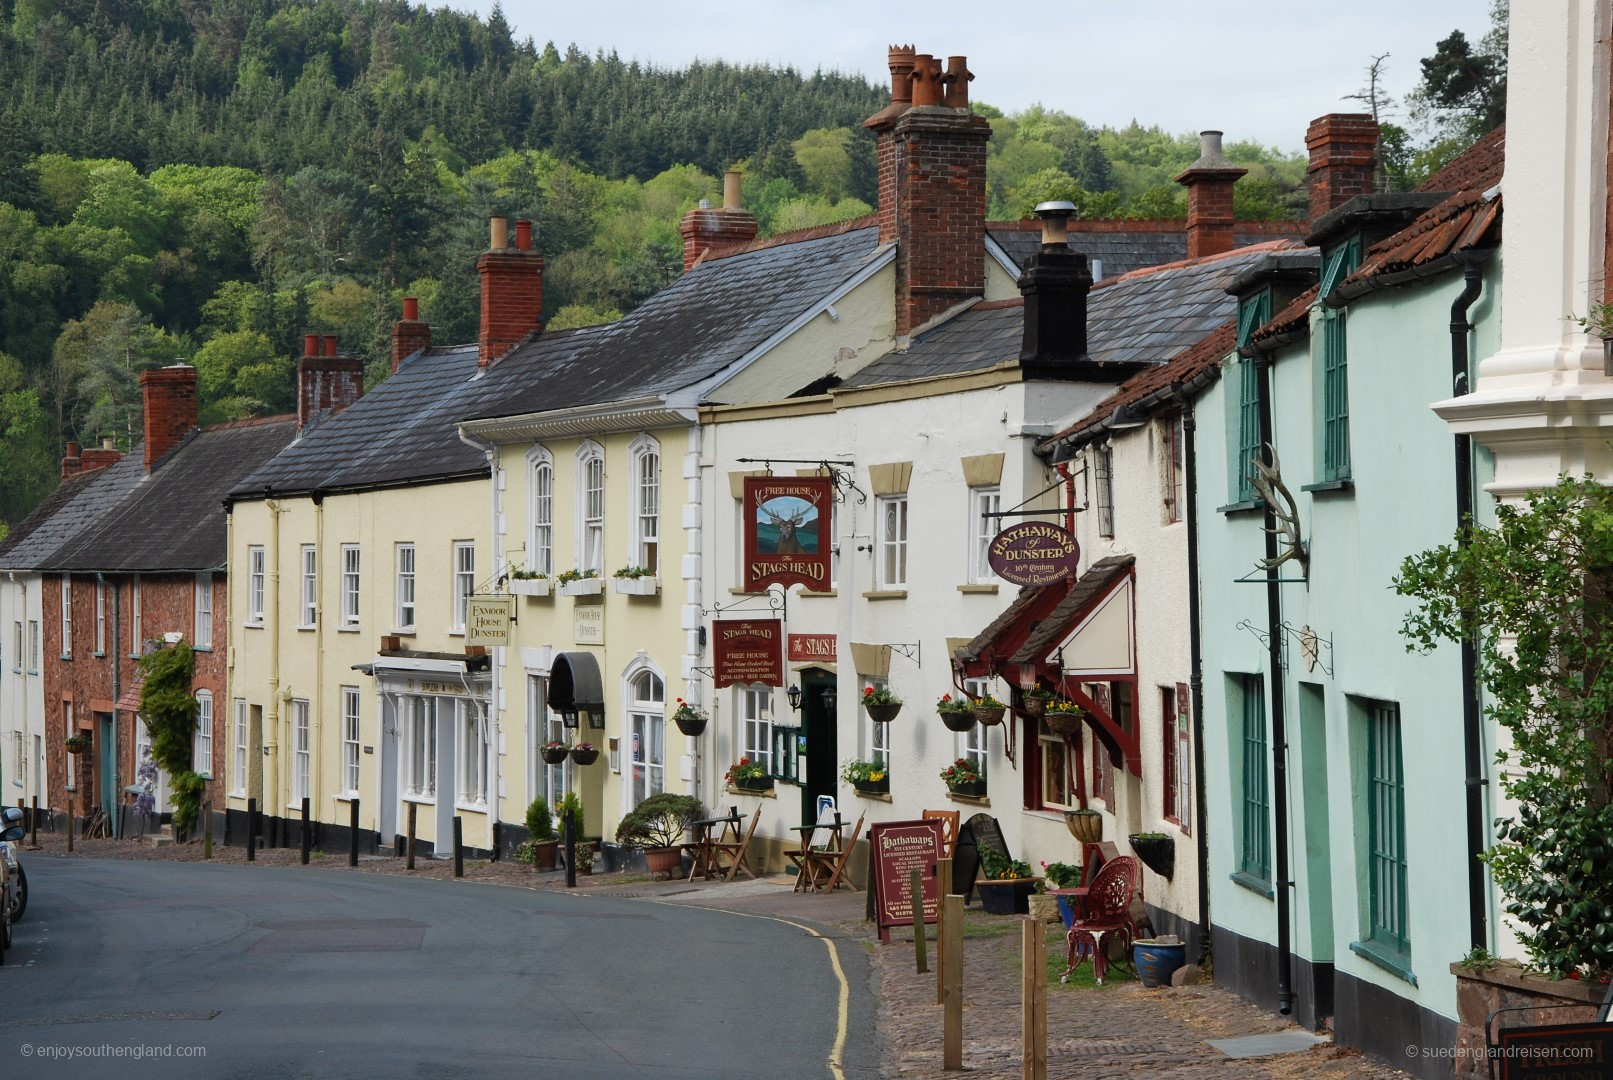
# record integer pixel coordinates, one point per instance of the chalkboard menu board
(979, 833)
(1555, 1052)
(897, 848)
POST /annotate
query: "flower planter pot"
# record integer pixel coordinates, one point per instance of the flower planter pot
(1085, 825)
(664, 860)
(1008, 896)
(989, 714)
(1155, 961)
(1158, 853)
(544, 853)
(579, 756)
(883, 714)
(531, 586)
(1043, 908)
(755, 783)
(1067, 910)
(690, 726)
(974, 789)
(957, 720)
(552, 755)
(583, 587)
(1067, 724)
(873, 787)
(636, 586)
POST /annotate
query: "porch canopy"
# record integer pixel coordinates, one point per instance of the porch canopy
(1063, 635)
(575, 684)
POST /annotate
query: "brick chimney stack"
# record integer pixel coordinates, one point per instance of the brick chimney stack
(1344, 159)
(512, 291)
(704, 228)
(410, 334)
(327, 382)
(1055, 284)
(102, 456)
(932, 185)
(1209, 183)
(72, 464)
(169, 396)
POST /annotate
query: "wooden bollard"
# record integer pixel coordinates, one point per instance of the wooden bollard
(251, 829)
(352, 833)
(1033, 1000)
(916, 899)
(70, 827)
(408, 858)
(34, 823)
(307, 838)
(207, 829)
(943, 883)
(952, 1004)
(459, 847)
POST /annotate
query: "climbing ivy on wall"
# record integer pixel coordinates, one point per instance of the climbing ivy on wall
(169, 709)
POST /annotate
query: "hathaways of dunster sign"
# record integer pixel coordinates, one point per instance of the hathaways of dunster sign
(1033, 553)
(788, 531)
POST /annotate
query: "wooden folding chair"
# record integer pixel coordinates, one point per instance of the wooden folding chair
(843, 857)
(740, 852)
(818, 840)
(949, 830)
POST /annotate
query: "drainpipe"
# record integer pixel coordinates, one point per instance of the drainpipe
(316, 737)
(500, 654)
(1279, 729)
(1069, 495)
(117, 786)
(1196, 665)
(1472, 733)
(269, 801)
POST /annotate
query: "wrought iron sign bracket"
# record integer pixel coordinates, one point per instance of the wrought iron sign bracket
(911, 652)
(839, 474)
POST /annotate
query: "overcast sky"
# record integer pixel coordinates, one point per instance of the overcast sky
(1258, 69)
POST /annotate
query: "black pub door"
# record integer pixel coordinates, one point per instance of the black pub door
(818, 725)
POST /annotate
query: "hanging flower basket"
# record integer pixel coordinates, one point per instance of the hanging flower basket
(1085, 825)
(553, 754)
(584, 754)
(690, 720)
(989, 714)
(884, 714)
(1157, 851)
(1064, 721)
(1033, 706)
(77, 744)
(956, 720)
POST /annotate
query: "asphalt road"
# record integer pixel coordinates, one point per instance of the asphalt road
(187, 970)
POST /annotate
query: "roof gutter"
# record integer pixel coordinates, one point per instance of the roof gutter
(635, 415)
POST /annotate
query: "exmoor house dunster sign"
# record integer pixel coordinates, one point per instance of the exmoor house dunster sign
(748, 651)
(788, 531)
(1033, 553)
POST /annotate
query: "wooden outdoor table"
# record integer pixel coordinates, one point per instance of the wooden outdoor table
(816, 865)
(708, 835)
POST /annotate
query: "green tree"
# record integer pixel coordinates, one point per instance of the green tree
(1463, 91)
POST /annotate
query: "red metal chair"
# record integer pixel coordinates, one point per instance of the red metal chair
(1106, 910)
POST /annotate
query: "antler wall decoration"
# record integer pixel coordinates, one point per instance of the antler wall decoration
(1267, 481)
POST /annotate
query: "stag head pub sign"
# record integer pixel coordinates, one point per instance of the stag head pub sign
(788, 531)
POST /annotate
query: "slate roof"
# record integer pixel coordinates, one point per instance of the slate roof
(174, 519)
(1148, 316)
(1125, 246)
(66, 512)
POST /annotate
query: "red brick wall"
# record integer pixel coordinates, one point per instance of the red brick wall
(1343, 159)
(512, 300)
(410, 334)
(1209, 215)
(940, 199)
(169, 395)
(327, 384)
(706, 228)
(168, 603)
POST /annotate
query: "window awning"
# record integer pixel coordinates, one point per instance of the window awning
(575, 684)
(129, 701)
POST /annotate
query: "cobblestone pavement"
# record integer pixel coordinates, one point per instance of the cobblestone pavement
(1118, 1030)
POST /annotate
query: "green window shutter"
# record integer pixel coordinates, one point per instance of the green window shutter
(1335, 396)
(1253, 313)
(1386, 829)
(1254, 856)
(1248, 429)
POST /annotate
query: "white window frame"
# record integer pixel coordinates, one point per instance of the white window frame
(591, 507)
(352, 564)
(254, 585)
(420, 748)
(301, 753)
(403, 561)
(136, 619)
(471, 791)
(982, 530)
(755, 711)
(540, 512)
(203, 626)
(100, 618)
(549, 728)
(202, 743)
(33, 646)
(19, 652)
(644, 503)
(972, 744)
(890, 545)
(879, 736)
(464, 582)
(646, 733)
(67, 616)
(308, 559)
(242, 734)
(350, 740)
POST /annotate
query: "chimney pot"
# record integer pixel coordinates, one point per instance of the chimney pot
(501, 234)
(901, 66)
(926, 80)
(1209, 182)
(72, 449)
(330, 344)
(523, 235)
(108, 443)
(732, 199)
(310, 344)
(411, 309)
(1055, 215)
(956, 83)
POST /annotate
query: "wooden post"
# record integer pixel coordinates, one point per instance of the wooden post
(207, 828)
(69, 826)
(352, 832)
(459, 848)
(1033, 1000)
(943, 883)
(916, 900)
(307, 836)
(952, 949)
(251, 829)
(408, 860)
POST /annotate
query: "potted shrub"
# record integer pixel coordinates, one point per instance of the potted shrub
(539, 851)
(868, 777)
(1060, 875)
(636, 581)
(657, 827)
(1085, 825)
(956, 713)
(1033, 702)
(553, 753)
(988, 710)
(580, 582)
(748, 775)
(1599, 323)
(530, 583)
(882, 705)
(962, 778)
(1005, 885)
(584, 754)
(690, 719)
(1156, 850)
(1063, 718)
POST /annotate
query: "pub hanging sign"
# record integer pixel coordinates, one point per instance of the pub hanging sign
(1033, 553)
(788, 531)
(748, 651)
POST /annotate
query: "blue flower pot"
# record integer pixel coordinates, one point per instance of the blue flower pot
(1155, 963)
(1067, 910)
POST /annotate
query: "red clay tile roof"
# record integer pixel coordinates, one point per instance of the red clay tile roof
(1290, 318)
(1479, 166)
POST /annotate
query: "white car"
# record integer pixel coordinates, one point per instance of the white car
(13, 882)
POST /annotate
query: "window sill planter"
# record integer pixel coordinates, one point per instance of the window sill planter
(636, 586)
(974, 789)
(584, 755)
(591, 586)
(1006, 896)
(989, 715)
(1158, 853)
(1085, 825)
(754, 784)
(531, 587)
(959, 720)
(552, 755)
(883, 714)
(873, 787)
